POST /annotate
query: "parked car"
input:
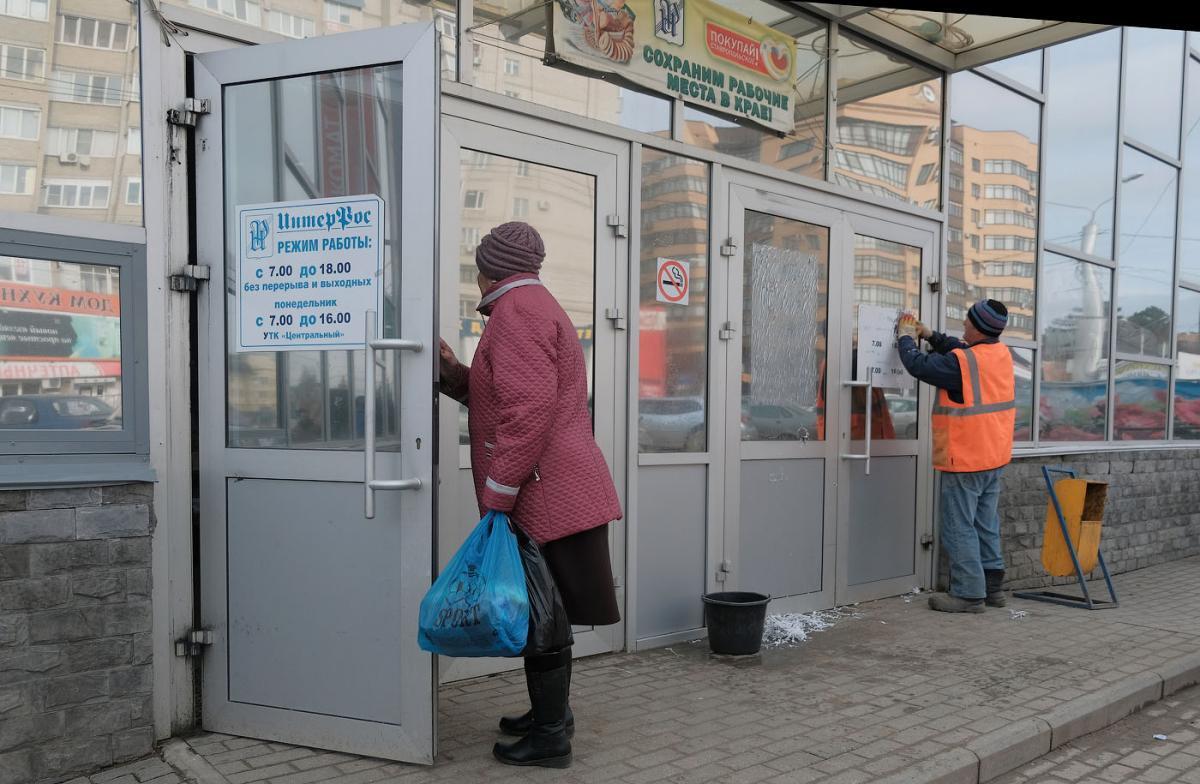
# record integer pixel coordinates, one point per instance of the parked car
(784, 421)
(57, 412)
(671, 423)
(904, 415)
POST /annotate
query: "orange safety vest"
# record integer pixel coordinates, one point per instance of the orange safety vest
(977, 434)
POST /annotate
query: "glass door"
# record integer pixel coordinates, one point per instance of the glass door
(311, 602)
(565, 187)
(781, 460)
(883, 460)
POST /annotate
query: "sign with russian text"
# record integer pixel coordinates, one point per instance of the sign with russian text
(708, 55)
(877, 352)
(308, 272)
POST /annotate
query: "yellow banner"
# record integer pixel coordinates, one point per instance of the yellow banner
(700, 51)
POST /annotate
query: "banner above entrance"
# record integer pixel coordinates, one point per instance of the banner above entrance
(702, 52)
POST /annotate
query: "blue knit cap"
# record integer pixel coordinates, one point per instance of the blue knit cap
(989, 317)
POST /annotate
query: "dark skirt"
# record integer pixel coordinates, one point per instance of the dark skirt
(582, 569)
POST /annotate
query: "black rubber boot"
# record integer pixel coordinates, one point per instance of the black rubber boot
(546, 745)
(519, 726)
(995, 588)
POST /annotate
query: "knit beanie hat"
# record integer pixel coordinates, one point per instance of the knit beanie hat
(989, 317)
(510, 249)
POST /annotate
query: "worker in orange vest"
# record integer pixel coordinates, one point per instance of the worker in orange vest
(972, 442)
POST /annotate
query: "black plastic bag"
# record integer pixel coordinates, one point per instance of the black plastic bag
(549, 626)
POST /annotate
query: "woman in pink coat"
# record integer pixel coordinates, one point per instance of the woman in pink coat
(533, 456)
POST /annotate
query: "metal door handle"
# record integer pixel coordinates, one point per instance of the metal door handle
(370, 483)
(869, 385)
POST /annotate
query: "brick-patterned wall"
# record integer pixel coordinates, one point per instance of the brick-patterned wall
(75, 641)
(1152, 515)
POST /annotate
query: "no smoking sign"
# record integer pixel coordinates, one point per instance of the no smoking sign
(673, 281)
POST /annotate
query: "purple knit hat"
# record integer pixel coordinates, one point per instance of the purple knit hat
(510, 249)
(989, 317)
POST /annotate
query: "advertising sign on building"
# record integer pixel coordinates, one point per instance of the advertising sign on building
(706, 54)
(308, 272)
(58, 332)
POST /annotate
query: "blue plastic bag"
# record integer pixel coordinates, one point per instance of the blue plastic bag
(479, 606)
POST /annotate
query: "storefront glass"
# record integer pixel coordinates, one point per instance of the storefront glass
(1081, 144)
(673, 336)
(992, 233)
(1146, 256)
(60, 345)
(1075, 341)
(889, 126)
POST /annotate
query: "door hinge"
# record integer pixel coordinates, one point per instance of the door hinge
(727, 331)
(189, 278)
(723, 571)
(926, 541)
(619, 228)
(191, 111)
(194, 643)
(934, 283)
(729, 248)
(614, 315)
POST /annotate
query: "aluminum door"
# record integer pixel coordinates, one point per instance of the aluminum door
(313, 606)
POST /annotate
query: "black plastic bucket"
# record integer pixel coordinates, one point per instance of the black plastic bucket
(735, 621)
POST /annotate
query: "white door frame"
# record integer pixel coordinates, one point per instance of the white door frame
(414, 738)
(735, 191)
(504, 134)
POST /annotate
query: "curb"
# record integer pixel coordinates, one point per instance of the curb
(180, 756)
(1024, 741)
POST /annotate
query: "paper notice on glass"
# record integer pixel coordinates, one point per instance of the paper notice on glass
(877, 348)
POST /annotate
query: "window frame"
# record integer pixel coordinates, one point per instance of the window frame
(95, 449)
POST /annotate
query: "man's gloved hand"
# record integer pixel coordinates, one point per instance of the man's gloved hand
(907, 325)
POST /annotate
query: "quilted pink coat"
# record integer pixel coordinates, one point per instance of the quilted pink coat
(532, 449)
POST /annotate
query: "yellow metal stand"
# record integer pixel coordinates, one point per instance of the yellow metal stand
(1073, 545)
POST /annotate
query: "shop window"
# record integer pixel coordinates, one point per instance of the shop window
(884, 91)
(1187, 380)
(1141, 390)
(1189, 191)
(72, 367)
(1074, 349)
(1081, 152)
(673, 338)
(512, 42)
(1145, 265)
(566, 224)
(1153, 83)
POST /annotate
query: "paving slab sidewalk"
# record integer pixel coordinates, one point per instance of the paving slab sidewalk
(895, 693)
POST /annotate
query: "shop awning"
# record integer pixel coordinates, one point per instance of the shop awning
(954, 40)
